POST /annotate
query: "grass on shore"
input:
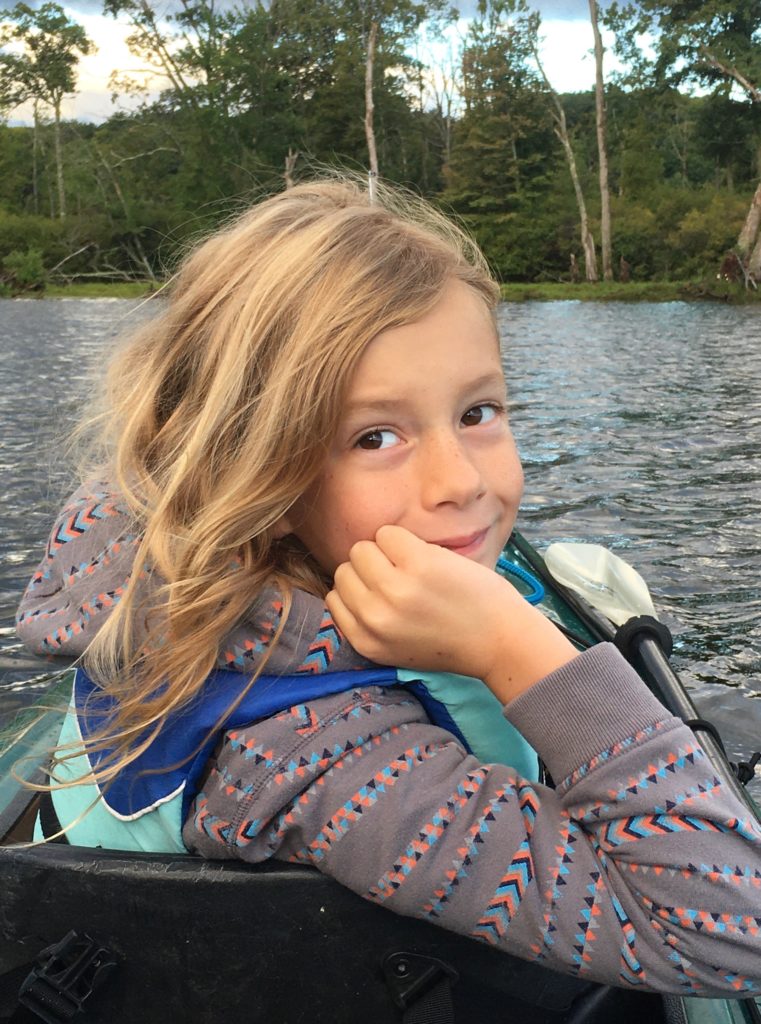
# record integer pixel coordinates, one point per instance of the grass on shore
(99, 290)
(549, 291)
(634, 291)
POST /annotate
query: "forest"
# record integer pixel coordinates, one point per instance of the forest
(651, 176)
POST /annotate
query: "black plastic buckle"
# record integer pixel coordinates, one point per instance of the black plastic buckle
(746, 770)
(410, 976)
(66, 975)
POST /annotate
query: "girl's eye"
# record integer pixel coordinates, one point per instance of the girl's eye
(479, 414)
(376, 439)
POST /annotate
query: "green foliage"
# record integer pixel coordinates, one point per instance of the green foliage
(254, 87)
(51, 42)
(25, 271)
(708, 229)
(712, 42)
(19, 232)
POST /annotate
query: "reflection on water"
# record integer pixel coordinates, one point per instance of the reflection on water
(639, 427)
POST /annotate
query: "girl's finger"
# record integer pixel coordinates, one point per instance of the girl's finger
(351, 588)
(371, 565)
(398, 545)
(343, 618)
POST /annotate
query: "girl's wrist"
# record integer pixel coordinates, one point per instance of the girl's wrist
(529, 648)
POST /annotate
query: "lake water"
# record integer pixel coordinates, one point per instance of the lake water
(639, 427)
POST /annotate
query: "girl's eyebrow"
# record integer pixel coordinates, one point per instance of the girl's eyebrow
(369, 404)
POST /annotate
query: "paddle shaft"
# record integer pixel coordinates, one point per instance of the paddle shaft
(678, 701)
(654, 662)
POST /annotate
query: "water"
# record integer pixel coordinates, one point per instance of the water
(639, 426)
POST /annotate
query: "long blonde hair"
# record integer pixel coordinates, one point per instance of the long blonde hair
(217, 415)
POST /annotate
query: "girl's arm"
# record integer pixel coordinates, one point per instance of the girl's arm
(638, 870)
(87, 564)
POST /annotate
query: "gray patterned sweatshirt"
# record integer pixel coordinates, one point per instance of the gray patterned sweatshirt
(639, 869)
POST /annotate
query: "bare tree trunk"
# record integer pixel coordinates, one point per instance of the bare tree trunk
(35, 144)
(587, 239)
(749, 231)
(444, 97)
(59, 161)
(561, 130)
(607, 250)
(369, 105)
(754, 264)
(290, 164)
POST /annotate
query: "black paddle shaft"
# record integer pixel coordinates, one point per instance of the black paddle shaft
(678, 701)
(645, 651)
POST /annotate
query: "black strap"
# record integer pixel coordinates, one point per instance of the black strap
(434, 1006)
(49, 822)
(744, 770)
(703, 724)
(421, 986)
(10, 983)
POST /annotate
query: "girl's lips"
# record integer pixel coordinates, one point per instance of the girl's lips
(464, 545)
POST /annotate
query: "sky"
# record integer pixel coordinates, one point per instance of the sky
(565, 54)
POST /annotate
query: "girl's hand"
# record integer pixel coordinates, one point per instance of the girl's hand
(400, 601)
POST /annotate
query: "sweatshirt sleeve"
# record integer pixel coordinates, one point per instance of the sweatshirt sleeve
(640, 869)
(83, 574)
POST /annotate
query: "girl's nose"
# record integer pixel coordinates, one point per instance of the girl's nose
(448, 473)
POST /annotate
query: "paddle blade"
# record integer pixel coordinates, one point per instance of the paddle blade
(606, 581)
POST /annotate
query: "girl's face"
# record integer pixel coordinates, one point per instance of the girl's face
(423, 442)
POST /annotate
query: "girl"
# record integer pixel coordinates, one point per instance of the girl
(308, 474)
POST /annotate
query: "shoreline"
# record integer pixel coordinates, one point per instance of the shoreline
(634, 291)
(550, 291)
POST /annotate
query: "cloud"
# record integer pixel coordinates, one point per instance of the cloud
(561, 10)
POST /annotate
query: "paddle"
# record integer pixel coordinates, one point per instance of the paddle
(616, 589)
(606, 581)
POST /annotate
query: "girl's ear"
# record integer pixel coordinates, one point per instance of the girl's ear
(282, 528)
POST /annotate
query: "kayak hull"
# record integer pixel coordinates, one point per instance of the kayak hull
(193, 939)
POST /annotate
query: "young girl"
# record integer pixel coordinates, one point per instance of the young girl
(308, 474)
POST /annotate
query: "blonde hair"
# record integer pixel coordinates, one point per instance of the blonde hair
(217, 415)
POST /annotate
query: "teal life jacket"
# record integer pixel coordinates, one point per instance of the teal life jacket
(145, 806)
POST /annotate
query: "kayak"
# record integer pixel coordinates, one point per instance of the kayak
(110, 937)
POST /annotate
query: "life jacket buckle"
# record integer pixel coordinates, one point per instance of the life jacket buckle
(66, 975)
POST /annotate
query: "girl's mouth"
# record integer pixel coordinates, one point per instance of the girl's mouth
(465, 545)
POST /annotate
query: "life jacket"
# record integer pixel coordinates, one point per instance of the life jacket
(145, 806)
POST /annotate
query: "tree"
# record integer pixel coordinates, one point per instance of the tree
(396, 24)
(499, 168)
(502, 98)
(561, 131)
(45, 69)
(372, 152)
(715, 44)
(602, 148)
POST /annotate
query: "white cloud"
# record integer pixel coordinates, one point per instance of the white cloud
(565, 51)
(92, 101)
(568, 54)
